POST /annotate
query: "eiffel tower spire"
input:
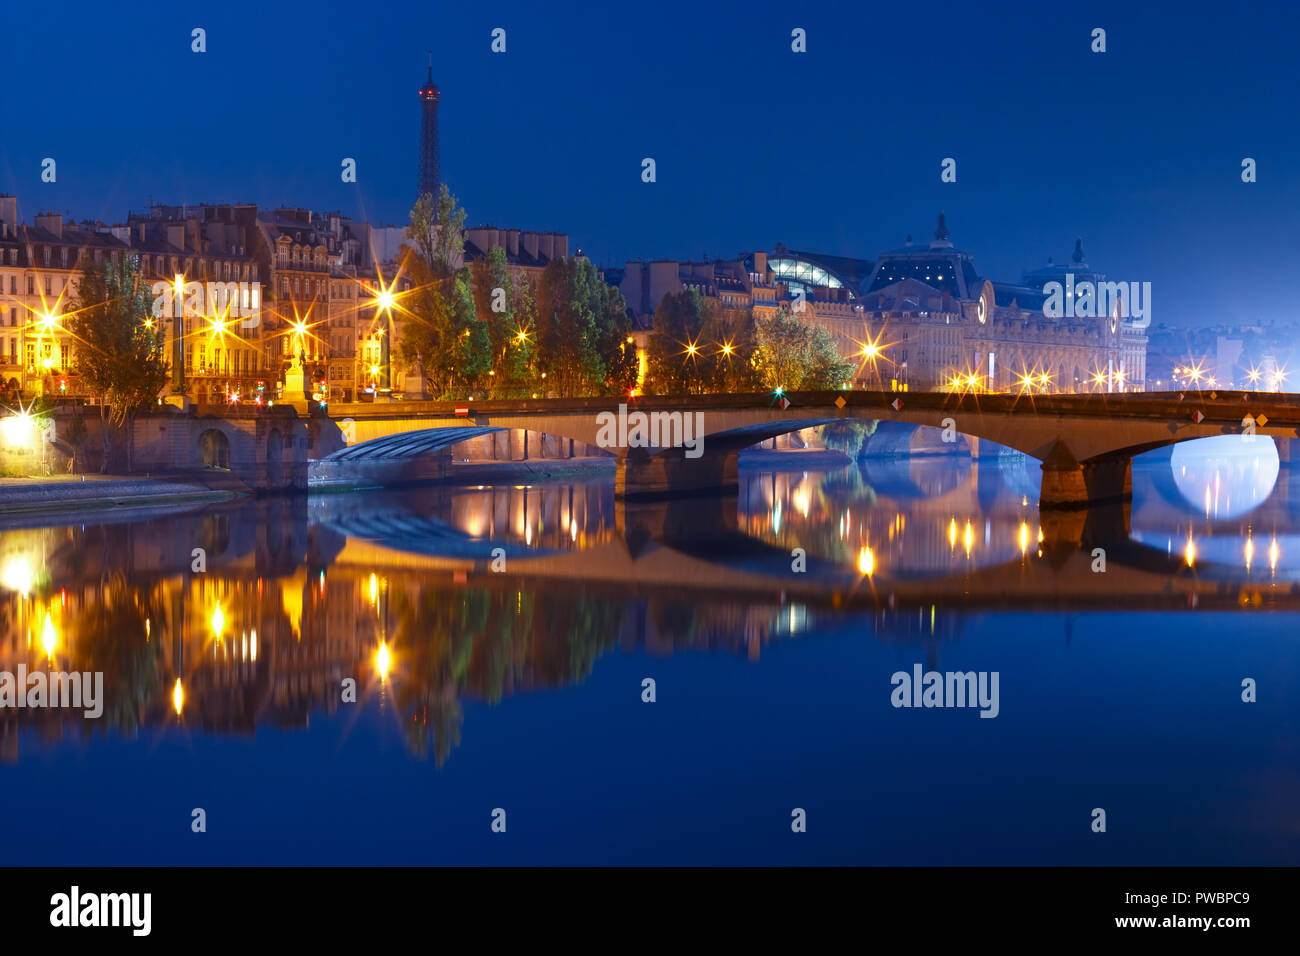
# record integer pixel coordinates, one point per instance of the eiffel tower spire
(430, 175)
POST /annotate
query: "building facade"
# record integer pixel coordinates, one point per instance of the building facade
(918, 317)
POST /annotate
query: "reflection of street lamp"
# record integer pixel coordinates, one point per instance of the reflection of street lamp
(178, 333)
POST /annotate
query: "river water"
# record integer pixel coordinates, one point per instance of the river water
(502, 641)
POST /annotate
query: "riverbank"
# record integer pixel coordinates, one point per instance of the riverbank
(20, 496)
(80, 493)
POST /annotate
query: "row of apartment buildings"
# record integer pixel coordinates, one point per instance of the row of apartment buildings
(261, 287)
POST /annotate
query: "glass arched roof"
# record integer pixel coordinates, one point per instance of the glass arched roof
(790, 270)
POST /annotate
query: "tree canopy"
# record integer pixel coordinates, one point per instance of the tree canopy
(119, 352)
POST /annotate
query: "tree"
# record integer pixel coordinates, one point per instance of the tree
(437, 232)
(441, 328)
(677, 358)
(119, 347)
(791, 355)
(848, 436)
(506, 305)
(471, 355)
(582, 331)
(699, 347)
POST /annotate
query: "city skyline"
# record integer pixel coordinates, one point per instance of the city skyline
(734, 165)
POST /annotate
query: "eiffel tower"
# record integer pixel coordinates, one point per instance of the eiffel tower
(429, 173)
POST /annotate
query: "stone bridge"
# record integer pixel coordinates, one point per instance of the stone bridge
(247, 448)
(1085, 443)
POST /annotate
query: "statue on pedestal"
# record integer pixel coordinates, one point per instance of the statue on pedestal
(413, 383)
(295, 379)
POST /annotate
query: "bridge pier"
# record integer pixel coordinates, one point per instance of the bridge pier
(1069, 483)
(643, 473)
(1283, 443)
(692, 524)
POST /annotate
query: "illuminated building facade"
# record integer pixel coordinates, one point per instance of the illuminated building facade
(917, 317)
(39, 265)
(220, 357)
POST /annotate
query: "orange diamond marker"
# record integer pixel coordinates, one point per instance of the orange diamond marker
(840, 402)
(1261, 420)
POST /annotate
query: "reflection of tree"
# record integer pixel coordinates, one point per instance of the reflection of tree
(849, 481)
(111, 638)
(819, 533)
(484, 644)
(725, 627)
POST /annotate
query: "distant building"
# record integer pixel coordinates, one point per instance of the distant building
(919, 316)
(526, 252)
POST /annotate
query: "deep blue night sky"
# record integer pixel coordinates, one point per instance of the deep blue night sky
(837, 150)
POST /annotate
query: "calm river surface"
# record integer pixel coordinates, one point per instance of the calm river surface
(521, 689)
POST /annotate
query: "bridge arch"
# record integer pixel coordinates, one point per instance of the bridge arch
(214, 449)
(410, 444)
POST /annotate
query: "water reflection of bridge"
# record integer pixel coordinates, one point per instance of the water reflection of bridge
(712, 559)
(298, 595)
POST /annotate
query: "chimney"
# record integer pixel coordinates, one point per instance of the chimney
(512, 243)
(561, 245)
(8, 216)
(530, 243)
(52, 221)
(760, 265)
